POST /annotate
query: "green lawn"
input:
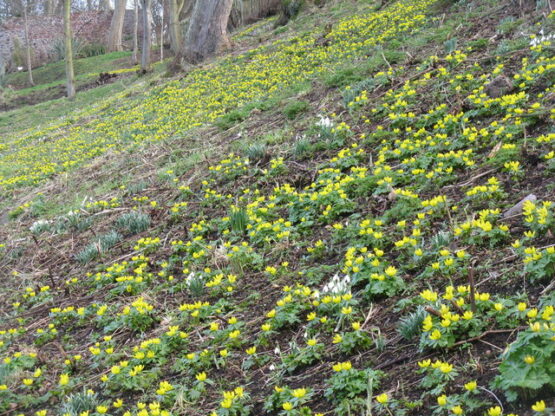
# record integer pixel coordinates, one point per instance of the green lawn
(50, 73)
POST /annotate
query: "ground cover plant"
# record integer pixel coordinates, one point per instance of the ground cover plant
(386, 247)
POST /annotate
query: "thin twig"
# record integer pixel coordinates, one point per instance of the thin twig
(472, 289)
(494, 396)
(483, 334)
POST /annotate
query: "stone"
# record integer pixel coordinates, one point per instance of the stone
(517, 209)
(499, 87)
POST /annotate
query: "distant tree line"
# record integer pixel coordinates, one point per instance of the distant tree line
(195, 29)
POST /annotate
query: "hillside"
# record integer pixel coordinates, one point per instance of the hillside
(349, 215)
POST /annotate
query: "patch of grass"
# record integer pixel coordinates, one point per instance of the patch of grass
(31, 116)
(133, 222)
(256, 152)
(344, 77)
(293, 109)
(232, 118)
(302, 149)
(507, 25)
(96, 248)
(55, 71)
(507, 46)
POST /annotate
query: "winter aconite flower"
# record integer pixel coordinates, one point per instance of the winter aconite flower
(382, 398)
(539, 406)
(64, 379)
(494, 411)
(471, 385)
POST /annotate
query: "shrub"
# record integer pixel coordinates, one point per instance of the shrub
(92, 49)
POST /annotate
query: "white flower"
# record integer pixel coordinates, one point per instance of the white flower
(39, 226)
(338, 285)
(537, 40)
(325, 122)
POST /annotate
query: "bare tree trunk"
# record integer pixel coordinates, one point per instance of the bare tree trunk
(175, 7)
(2, 70)
(186, 9)
(207, 32)
(116, 26)
(248, 11)
(162, 32)
(134, 56)
(147, 35)
(27, 43)
(69, 51)
(89, 5)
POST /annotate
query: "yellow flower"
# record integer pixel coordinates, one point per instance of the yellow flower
(287, 406)
(529, 360)
(435, 335)
(446, 368)
(382, 398)
(118, 403)
(424, 363)
(251, 351)
(442, 400)
(101, 409)
(64, 379)
(201, 376)
(299, 393)
(346, 310)
(471, 385)
(494, 411)
(539, 406)
(457, 410)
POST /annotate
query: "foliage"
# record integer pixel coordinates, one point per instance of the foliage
(293, 109)
(527, 365)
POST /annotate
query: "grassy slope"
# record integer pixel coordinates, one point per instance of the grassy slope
(391, 178)
(55, 72)
(29, 106)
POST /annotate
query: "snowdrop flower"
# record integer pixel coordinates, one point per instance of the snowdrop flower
(189, 279)
(338, 285)
(325, 122)
(39, 226)
(537, 40)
